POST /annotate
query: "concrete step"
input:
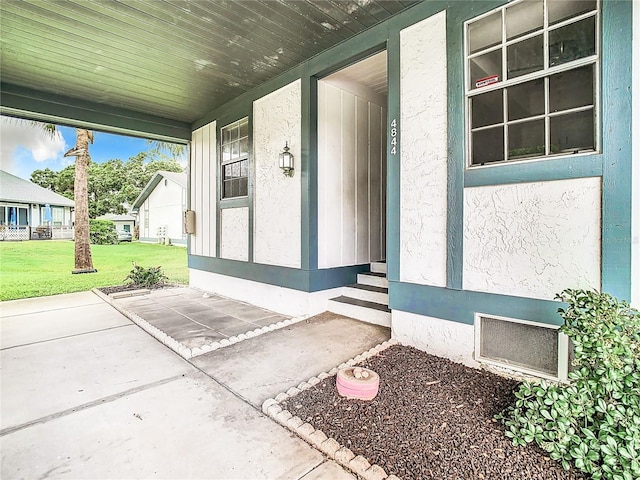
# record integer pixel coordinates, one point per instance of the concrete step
(368, 293)
(379, 267)
(374, 279)
(369, 312)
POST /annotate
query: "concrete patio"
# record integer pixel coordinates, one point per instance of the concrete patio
(87, 394)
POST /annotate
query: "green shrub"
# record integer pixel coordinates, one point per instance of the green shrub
(594, 421)
(103, 232)
(146, 277)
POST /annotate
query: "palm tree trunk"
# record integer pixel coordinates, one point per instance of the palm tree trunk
(83, 260)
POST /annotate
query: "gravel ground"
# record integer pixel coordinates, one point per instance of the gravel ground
(432, 419)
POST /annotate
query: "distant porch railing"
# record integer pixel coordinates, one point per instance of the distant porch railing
(43, 232)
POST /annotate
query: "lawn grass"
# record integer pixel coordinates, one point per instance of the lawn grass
(39, 268)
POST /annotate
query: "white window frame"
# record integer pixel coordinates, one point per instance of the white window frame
(545, 73)
(232, 160)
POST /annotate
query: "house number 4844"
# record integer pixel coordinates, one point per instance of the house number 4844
(394, 137)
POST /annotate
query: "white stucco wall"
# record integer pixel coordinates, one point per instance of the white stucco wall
(277, 299)
(635, 208)
(166, 204)
(277, 198)
(423, 152)
(436, 336)
(204, 190)
(234, 233)
(532, 239)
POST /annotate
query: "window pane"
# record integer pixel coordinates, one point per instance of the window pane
(244, 128)
(235, 150)
(572, 132)
(573, 41)
(226, 153)
(525, 57)
(22, 216)
(488, 146)
(526, 100)
(227, 184)
(236, 170)
(571, 89)
(242, 187)
(559, 10)
(523, 18)
(487, 65)
(486, 109)
(226, 135)
(244, 147)
(244, 168)
(485, 33)
(526, 139)
(227, 171)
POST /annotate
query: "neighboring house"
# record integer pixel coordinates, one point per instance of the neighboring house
(161, 206)
(26, 208)
(484, 152)
(122, 222)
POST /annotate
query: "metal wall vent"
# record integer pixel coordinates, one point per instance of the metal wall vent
(529, 347)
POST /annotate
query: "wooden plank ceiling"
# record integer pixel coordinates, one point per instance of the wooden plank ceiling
(174, 59)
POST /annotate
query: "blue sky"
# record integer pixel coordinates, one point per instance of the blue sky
(25, 148)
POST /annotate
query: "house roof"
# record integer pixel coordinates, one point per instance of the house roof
(154, 68)
(16, 189)
(179, 178)
(117, 218)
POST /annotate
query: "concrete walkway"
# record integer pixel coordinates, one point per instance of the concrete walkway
(87, 394)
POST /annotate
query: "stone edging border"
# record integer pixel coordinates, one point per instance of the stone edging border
(329, 446)
(189, 353)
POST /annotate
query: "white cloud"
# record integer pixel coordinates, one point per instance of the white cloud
(23, 142)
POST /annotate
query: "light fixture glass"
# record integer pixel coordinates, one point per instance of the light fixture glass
(286, 161)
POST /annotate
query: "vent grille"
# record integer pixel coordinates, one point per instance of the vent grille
(521, 345)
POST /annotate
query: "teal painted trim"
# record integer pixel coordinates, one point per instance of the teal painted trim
(293, 278)
(309, 174)
(393, 161)
(455, 150)
(461, 305)
(559, 168)
(35, 105)
(617, 17)
(251, 188)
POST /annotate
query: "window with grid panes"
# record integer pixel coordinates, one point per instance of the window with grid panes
(532, 76)
(235, 159)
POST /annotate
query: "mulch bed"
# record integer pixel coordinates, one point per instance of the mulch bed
(128, 287)
(445, 430)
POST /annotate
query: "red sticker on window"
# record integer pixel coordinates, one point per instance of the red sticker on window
(483, 82)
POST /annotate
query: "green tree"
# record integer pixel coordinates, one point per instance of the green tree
(45, 178)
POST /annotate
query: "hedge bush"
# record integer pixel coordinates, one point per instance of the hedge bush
(103, 232)
(594, 421)
(146, 277)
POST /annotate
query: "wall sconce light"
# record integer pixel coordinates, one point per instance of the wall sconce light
(286, 161)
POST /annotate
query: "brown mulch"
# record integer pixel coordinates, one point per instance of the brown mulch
(418, 429)
(130, 286)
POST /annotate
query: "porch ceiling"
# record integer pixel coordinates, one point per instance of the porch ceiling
(172, 59)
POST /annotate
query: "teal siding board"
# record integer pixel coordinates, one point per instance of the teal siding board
(562, 168)
(293, 278)
(393, 161)
(616, 146)
(613, 164)
(460, 305)
(309, 174)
